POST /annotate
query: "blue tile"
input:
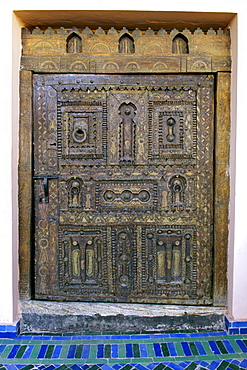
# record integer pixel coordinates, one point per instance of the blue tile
(214, 365)
(184, 364)
(140, 336)
(51, 367)
(10, 328)
(198, 335)
(116, 366)
(14, 351)
(214, 347)
(75, 367)
(105, 367)
(28, 351)
(157, 350)
(203, 363)
(233, 331)
(179, 335)
(228, 346)
(100, 337)
(242, 346)
(143, 350)
(25, 337)
(186, 349)
(153, 336)
(62, 338)
(41, 337)
(174, 366)
(86, 350)
(8, 335)
(200, 348)
(120, 337)
(2, 347)
(10, 367)
(172, 349)
(57, 351)
(42, 351)
(243, 330)
(140, 367)
(85, 367)
(100, 351)
(235, 362)
(239, 324)
(114, 351)
(3, 327)
(217, 333)
(71, 352)
(129, 350)
(244, 363)
(152, 365)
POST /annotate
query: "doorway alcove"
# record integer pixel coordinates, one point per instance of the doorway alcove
(157, 48)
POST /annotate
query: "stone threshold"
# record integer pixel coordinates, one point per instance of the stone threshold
(74, 317)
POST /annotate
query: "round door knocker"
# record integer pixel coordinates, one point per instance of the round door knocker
(177, 184)
(79, 133)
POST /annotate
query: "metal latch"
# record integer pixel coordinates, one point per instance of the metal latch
(45, 179)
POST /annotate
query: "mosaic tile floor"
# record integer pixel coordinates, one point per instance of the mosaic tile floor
(190, 351)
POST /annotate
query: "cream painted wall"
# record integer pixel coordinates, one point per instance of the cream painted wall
(9, 134)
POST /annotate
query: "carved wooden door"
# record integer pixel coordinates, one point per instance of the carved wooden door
(123, 187)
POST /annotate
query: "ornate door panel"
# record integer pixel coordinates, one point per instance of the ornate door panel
(123, 187)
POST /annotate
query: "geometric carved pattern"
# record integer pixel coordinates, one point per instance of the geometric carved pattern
(123, 187)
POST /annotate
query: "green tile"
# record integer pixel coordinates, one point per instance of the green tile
(136, 350)
(159, 367)
(78, 351)
(126, 367)
(223, 365)
(165, 350)
(93, 351)
(163, 359)
(193, 349)
(233, 367)
(21, 351)
(64, 352)
(121, 351)
(191, 366)
(6, 351)
(207, 348)
(221, 347)
(28, 367)
(35, 352)
(49, 351)
(150, 350)
(230, 355)
(107, 351)
(179, 349)
(118, 360)
(63, 367)
(94, 367)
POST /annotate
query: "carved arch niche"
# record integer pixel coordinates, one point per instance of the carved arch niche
(74, 44)
(126, 44)
(180, 44)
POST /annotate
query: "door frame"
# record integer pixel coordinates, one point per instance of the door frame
(221, 161)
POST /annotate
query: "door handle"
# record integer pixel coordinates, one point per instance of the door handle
(45, 184)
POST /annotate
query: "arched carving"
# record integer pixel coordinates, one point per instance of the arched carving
(180, 44)
(74, 187)
(74, 44)
(127, 132)
(177, 185)
(126, 44)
